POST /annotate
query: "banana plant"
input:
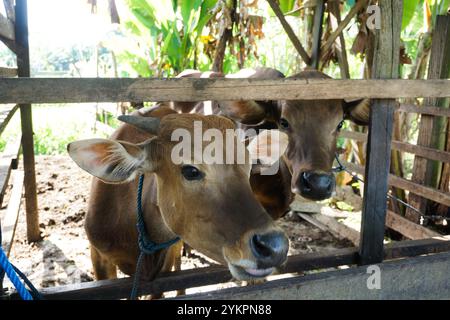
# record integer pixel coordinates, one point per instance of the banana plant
(168, 31)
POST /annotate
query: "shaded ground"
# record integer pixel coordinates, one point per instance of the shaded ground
(62, 257)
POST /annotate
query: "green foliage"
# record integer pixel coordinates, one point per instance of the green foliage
(47, 141)
(52, 133)
(170, 31)
(409, 10)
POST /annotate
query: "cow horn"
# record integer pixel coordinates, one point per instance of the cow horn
(147, 124)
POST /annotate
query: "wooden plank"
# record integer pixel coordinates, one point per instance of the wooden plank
(120, 288)
(330, 224)
(12, 213)
(394, 221)
(386, 62)
(408, 228)
(317, 33)
(6, 28)
(428, 153)
(413, 279)
(8, 72)
(5, 116)
(439, 69)
(428, 110)
(290, 33)
(73, 90)
(8, 161)
(23, 66)
(423, 191)
(425, 172)
(9, 8)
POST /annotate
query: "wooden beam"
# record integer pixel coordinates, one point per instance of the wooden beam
(332, 38)
(120, 288)
(291, 34)
(8, 72)
(428, 153)
(10, 44)
(6, 114)
(428, 110)
(407, 228)
(73, 90)
(386, 64)
(394, 221)
(330, 224)
(439, 69)
(401, 279)
(425, 172)
(317, 33)
(8, 161)
(6, 28)
(12, 213)
(9, 8)
(23, 66)
(426, 192)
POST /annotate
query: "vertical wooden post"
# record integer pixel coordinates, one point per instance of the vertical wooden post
(431, 129)
(317, 33)
(23, 66)
(387, 52)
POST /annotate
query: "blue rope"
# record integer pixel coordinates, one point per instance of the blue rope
(146, 245)
(12, 275)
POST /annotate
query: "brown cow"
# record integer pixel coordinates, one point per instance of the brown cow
(211, 207)
(312, 127)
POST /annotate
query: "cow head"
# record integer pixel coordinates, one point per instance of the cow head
(210, 206)
(311, 125)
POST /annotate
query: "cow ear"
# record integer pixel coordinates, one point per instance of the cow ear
(358, 111)
(268, 147)
(109, 160)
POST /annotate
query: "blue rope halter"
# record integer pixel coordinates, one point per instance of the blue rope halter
(146, 245)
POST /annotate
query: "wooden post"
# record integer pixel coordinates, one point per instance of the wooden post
(317, 33)
(386, 64)
(23, 65)
(432, 128)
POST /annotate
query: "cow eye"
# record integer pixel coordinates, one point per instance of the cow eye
(284, 123)
(191, 173)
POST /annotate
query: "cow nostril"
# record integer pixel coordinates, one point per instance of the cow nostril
(270, 249)
(260, 247)
(330, 187)
(306, 185)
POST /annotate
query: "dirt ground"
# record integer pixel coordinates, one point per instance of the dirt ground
(62, 257)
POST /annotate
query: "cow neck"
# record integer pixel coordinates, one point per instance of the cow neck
(153, 228)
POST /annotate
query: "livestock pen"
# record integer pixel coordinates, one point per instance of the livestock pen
(411, 269)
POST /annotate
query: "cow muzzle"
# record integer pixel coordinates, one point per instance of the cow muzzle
(315, 185)
(268, 250)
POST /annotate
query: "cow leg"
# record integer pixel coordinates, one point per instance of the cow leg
(103, 268)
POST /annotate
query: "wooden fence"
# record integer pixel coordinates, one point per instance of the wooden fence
(26, 91)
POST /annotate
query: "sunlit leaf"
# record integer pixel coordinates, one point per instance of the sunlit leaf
(409, 9)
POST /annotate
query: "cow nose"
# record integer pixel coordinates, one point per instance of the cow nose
(315, 185)
(270, 249)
